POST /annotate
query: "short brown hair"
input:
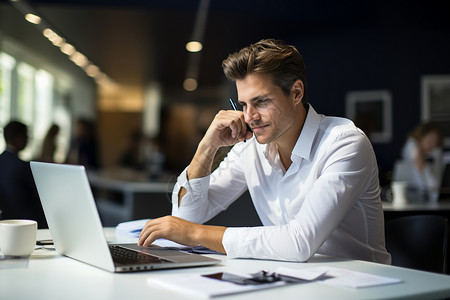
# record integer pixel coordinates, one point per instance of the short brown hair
(283, 63)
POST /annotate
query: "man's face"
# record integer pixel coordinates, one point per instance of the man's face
(267, 109)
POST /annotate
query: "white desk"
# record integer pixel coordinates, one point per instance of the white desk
(51, 276)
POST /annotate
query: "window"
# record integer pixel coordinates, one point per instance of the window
(436, 103)
(7, 65)
(27, 94)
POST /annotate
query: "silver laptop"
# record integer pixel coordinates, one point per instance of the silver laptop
(77, 231)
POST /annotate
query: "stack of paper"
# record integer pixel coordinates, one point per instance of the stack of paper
(203, 287)
(131, 228)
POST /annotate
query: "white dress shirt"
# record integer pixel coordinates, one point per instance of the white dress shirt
(327, 202)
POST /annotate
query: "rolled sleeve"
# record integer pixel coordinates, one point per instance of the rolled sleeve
(192, 206)
(207, 196)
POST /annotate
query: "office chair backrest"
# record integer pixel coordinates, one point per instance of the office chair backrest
(444, 191)
(418, 242)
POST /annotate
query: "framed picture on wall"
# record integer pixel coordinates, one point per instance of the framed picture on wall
(372, 112)
(436, 102)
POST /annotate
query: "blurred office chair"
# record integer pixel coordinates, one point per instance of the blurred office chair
(418, 242)
(444, 191)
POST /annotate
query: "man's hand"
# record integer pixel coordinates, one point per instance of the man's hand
(182, 232)
(227, 128)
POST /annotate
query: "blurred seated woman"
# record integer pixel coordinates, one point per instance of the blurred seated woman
(423, 150)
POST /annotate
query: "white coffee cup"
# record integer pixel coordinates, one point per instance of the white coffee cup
(399, 191)
(17, 237)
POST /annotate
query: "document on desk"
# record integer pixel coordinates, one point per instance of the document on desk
(132, 229)
(202, 287)
(226, 283)
(353, 279)
(337, 276)
(345, 278)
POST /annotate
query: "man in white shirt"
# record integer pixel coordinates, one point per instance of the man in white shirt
(313, 179)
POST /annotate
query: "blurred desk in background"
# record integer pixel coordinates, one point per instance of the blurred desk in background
(443, 205)
(438, 208)
(123, 196)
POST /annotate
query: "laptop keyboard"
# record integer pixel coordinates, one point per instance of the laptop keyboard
(127, 256)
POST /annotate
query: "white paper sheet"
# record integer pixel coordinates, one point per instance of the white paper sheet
(340, 277)
(203, 287)
(347, 278)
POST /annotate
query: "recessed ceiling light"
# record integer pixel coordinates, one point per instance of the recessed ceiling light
(190, 84)
(194, 46)
(68, 49)
(32, 18)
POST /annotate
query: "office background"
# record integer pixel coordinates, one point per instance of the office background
(140, 46)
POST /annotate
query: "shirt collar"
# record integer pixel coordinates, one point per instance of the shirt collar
(305, 141)
(302, 148)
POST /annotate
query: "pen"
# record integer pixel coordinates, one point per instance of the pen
(232, 104)
(234, 108)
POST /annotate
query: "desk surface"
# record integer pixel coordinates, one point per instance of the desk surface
(51, 276)
(424, 206)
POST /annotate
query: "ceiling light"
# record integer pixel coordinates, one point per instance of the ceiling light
(194, 46)
(92, 70)
(67, 49)
(32, 18)
(53, 37)
(79, 59)
(190, 84)
(48, 33)
(76, 57)
(103, 80)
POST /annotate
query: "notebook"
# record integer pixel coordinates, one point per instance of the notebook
(77, 232)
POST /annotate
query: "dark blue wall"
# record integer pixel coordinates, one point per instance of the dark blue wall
(380, 57)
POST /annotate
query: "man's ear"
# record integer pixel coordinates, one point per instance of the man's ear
(297, 91)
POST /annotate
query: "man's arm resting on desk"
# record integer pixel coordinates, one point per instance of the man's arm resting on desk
(183, 232)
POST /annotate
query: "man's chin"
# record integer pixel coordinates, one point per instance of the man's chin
(261, 139)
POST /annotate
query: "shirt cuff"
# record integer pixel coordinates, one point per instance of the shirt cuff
(233, 242)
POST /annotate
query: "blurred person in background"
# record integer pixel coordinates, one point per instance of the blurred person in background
(422, 151)
(18, 195)
(49, 145)
(132, 157)
(83, 148)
